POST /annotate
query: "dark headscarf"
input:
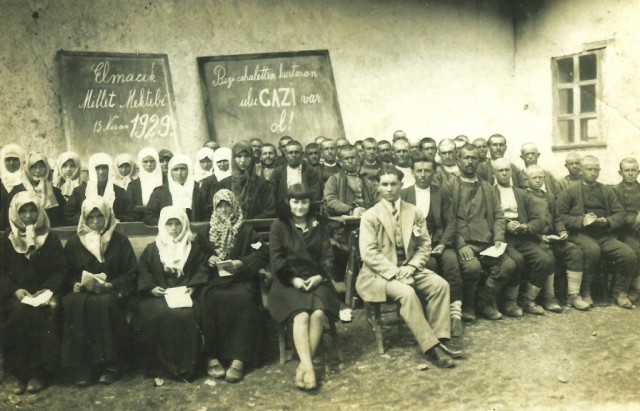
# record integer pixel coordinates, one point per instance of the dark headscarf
(242, 182)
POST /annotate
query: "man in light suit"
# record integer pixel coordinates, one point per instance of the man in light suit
(435, 204)
(395, 247)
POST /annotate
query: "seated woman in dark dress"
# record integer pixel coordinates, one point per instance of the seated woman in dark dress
(169, 339)
(101, 183)
(66, 174)
(12, 175)
(253, 193)
(94, 339)
(229, 303)
(36, 169)
(149, 178)
(302, 290)
(180, 191)
(32, 262)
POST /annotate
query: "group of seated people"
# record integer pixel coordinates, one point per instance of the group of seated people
(469, 235)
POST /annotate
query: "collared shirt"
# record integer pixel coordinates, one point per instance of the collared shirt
(423, 199)
(294, 175)
(508, 202)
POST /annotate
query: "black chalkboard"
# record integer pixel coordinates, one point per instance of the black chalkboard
(270, 95)
(117, 102)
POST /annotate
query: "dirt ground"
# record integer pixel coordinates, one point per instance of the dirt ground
(563, 361)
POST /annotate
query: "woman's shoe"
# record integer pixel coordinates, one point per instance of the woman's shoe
(235, 371)
(299, 379)
(18, 388)
(215, 369)
(310, 379)
(35, 385)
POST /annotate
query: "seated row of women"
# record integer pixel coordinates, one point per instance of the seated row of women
(134, 199)
(192, 297)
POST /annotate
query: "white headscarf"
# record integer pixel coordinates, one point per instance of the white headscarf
(101, 159)
(40, 186)
(66, 185)
(10, 180)
(174, 251)
(223, 153)
(27, 239)
(182, 195)
(96, 242)
(123, 181)
(200, 173)
(149, 181)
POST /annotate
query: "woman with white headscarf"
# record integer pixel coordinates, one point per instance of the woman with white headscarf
(11, 175)
(67, 172)
(125, 170)
(230, 301)
(180, 191)
(33, 263)
(203, 166)
(168, 340)
(101, 183)
(95, 329)
(149, 178)
(222, 163)
(36, 170)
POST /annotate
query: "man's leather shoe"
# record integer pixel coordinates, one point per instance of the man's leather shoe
(440, 358)
(551, 304)
(452, 347)
(489, 312)
(576, 301)
(457, 329)
(468, 315)
(622, 300)
(512, 309)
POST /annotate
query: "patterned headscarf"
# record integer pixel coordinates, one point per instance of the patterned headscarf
(149, 181)
(123, 181)
(27, 239)
(40, 186)
(101, 159)
(174, 251)
(223, 229)
(200, 173)
(96, 242)
(181, 194)
(223, 153)
(66, 185)
(9, 179)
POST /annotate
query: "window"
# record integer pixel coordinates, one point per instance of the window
(576, 92)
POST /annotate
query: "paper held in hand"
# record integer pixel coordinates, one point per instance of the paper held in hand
(494, 251)
(36, 301)
(178, 297)
(89, 280)
(222, 265)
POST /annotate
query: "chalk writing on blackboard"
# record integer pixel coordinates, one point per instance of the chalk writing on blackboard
(268, 95)
(117, 102)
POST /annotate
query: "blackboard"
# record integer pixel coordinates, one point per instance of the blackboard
(270, 95)
(117, 102)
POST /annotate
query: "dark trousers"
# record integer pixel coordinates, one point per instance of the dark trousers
(539, 262)
(612, 249)
(446, 266)
(630, 238)
(499, 269)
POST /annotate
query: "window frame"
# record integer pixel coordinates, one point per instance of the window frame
(576, 116)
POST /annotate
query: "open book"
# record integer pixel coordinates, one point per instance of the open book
(494, 251)
(178, 297)
(36, 301)
(90, 280)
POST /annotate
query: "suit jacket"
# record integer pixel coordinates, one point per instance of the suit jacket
(440, 220)
(485, 172)
(310, 179)
(443, 178)
(570, 207)
(339, 197)
(630, 218)
(545, 203)
(528, 213)
(495, 216)
(378, 247)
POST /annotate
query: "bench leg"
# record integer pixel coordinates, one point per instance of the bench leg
(374, 317)
(334, 338)
(282, 339)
